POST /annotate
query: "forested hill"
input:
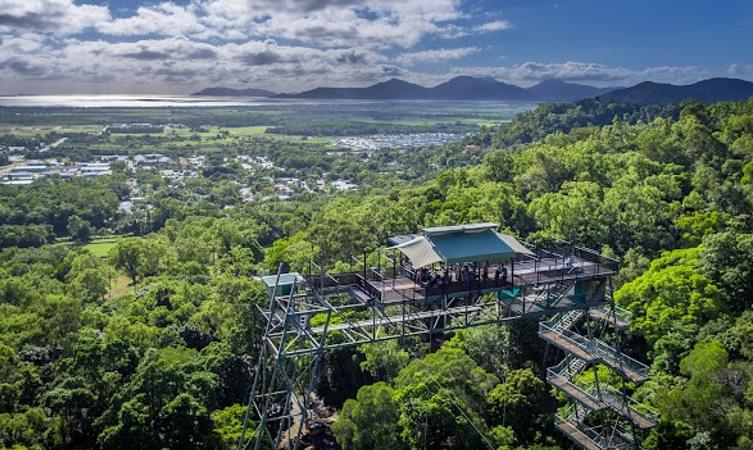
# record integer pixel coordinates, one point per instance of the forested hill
(551, 118)
(711, 90)
(167, 363)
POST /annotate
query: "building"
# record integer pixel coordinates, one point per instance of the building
(151, 159)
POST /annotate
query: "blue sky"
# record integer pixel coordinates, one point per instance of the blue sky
(132, 46)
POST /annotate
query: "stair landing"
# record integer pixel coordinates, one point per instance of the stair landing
(576, 435)
(576, 393)
(567, 345)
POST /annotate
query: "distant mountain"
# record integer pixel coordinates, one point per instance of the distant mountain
(711, 90)
(470, 88)
(487, 88)
(555, 90)
(392, 89)
(458, 88)
(228, 92)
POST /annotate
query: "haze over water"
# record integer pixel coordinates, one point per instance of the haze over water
(184, 101)
(127, 101)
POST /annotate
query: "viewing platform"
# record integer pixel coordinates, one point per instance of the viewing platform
(472, 260)
(452, 278)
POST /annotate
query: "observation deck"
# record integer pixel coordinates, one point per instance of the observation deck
(445, 279)
(449, 278)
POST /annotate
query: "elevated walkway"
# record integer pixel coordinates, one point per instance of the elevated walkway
(592, 350)
(594, 438)
(614, 316)
(571, 430)
(581, 352)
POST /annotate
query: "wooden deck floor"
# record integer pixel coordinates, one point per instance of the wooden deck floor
(567, 346)
(617, 404)
(576, 435)
(575, 393)
(628, 372)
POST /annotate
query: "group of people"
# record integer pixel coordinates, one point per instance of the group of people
(444, 276)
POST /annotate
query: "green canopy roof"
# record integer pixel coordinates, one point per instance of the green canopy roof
(461, 244)
(471, 247)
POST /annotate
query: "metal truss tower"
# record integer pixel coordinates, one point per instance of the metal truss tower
(560, 286)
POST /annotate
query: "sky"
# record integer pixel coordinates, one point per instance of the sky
(179, 46)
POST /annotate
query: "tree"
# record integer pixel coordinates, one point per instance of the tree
(573, 213)
(126, 256)
(225, 193)
(370, 422)
(143, 257)
(702, 401)
(228, 425)
(79, 229)
(499, 165)
(512, 402)
(672, 294)
(728, 259)
(384, 361)
(442, 401)
(88, 277)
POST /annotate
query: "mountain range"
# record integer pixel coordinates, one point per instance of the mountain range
(487, 88)
(711, 90)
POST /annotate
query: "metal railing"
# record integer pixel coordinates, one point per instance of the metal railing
(576, 339)
(616, 359)
(590, 392)
(613, 396)
(604, 437)
(613, 358)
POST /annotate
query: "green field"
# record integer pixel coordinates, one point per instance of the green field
(101, 247)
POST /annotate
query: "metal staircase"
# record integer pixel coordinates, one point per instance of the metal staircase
(583, 351)
(567, 320)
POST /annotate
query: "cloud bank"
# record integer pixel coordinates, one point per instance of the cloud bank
(283, 45)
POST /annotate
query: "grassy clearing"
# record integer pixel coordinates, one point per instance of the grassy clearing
(248, 131)
(101, 247)
(121, 284)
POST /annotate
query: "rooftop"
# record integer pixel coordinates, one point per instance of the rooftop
(477, 242)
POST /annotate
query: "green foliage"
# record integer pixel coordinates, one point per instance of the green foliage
(728, 257)
(383, 362)
(79, 229)
(228, 425)
(671, 300)
(87, 362)
(140, 258)
(491, 347)
(52, 202)
(370, 421)
(512, 402)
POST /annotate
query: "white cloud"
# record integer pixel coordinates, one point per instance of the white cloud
(530, 73)
(436, 55)
(56, 16)
(284, 45)
(740, 70)
(497, 25)
(165, 19)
